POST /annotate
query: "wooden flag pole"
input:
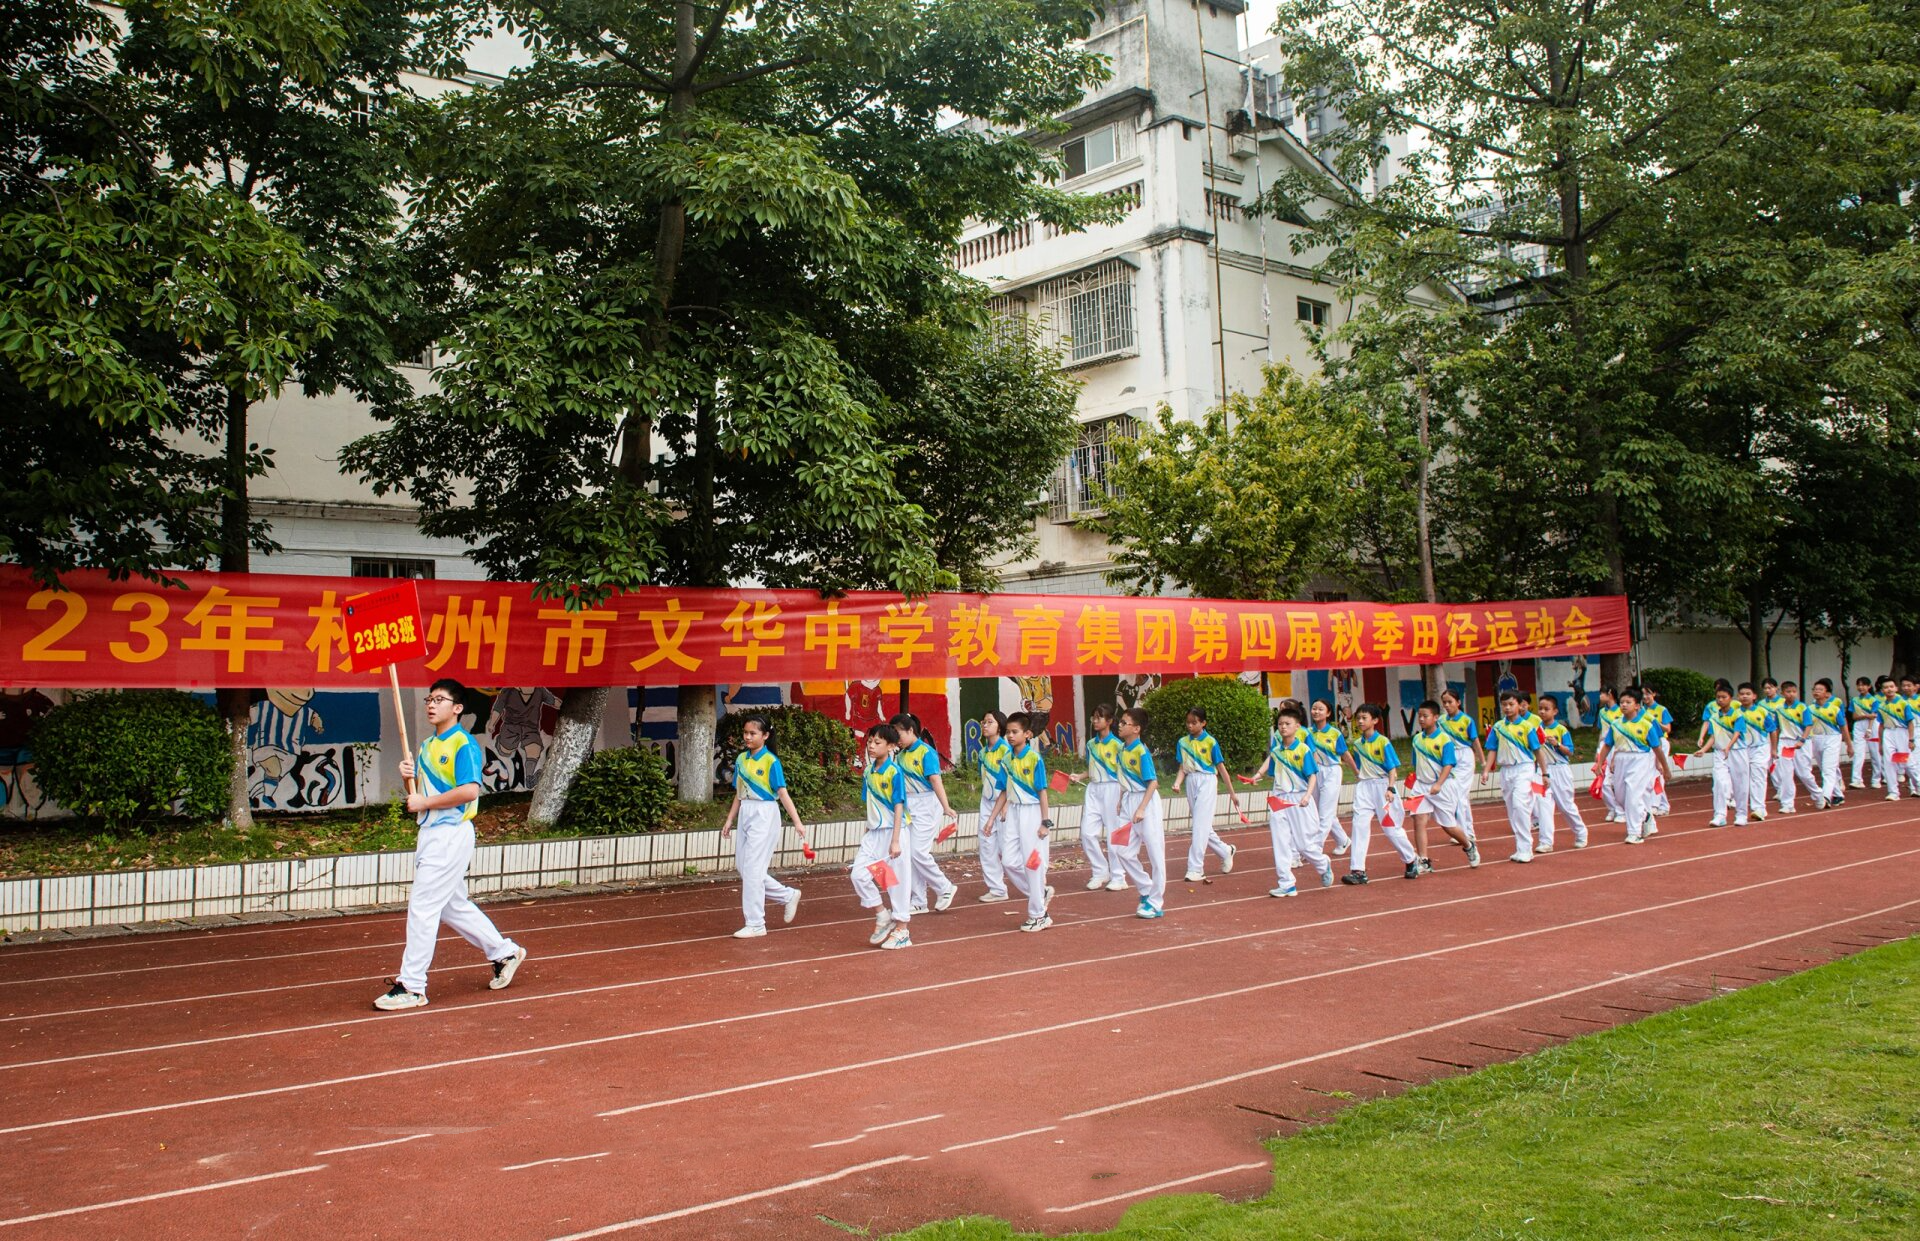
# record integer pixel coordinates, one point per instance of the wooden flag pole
(400, 717)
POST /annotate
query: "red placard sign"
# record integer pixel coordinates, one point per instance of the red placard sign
(384, 627)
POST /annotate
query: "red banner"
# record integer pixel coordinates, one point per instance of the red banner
(266, 630)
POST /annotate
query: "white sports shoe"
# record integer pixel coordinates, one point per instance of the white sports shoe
(751, 932)
(1194, 876)
(790, 906)
(1117, 885)
(944, 901)
(1226, 867)
(505, 968)
(881, 926)
(400, 998)
(1096, 883)
(991, 898)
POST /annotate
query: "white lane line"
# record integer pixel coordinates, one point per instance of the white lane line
(1154, 1189)
(736, 1200)
(367, 1146)
(1005, 1137)
(606, 1040)
(858, 1137)
(1504, 1009)
(170, 1193)
(541, 1163)
(1238, 992)
(902, 1124)
(699, 975)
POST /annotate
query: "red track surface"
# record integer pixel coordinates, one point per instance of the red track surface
(647, 1073)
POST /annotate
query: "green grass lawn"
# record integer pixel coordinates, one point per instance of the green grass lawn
(1788, 1110)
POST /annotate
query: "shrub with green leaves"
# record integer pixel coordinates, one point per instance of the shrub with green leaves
(619, 790)
(1681, 691)
(818, 754)
(133, 756)
(1237, 715)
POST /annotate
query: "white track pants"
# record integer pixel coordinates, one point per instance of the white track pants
(1202, 791)
(1636, 771)
(1729, 786)
(1866, 751)
(1757, 757)
(924, 821)
(1149, 835)
(1369, 807)
(898, 899)
(1326, 804)
(1020, 840)
(1818, 767)
(1785, 768)
(440, 858)
(1560, 797)
(1098, 817)
(1462, 785)
(755, 837)
(992, 871)
(1523, 809)
(1296, 838)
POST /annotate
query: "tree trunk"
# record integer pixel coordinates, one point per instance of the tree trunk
(1906, 650)
(1430, 677)
(581, 710)
(693, 764)
(1844, 640)
(1758, 640)
(1801, 621)
(236, 514)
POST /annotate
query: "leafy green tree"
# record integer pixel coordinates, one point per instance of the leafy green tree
(1251, 502)
(683, 261)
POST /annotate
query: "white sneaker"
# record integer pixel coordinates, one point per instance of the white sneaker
(1760, 816)
(1579, 842)
(1716, 823)
(1613, 816)
(944, 901)
(1194, 876)
(790, 906)
(1226, 867)
(991, 898)
(1096, 883)
(1653, 828)
(919, 907)
(1037, 924)
(400, 998)
(1292, 889)
(897, 938)
(1049, 899)
(505, 968)
(751, 932)
(882, 927)
(1341, 850)
(1517, 858)
(1632, 839)
(1855, 784)
(1117, 884)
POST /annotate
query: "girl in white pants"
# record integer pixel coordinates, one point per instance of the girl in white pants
(994, 752)
(1826, 739)
(1374, 766)
(1329, 742)
(1465, 731)
(927, 812)
(1202, 767)
(1556, 747)
(448, 766)
(1755, 746)
(759, 795)
(1864, 707)
(1721, 726)
(1141, 817)
(1101, 812)
(1791, 713)
(1516, 752)
(1023, 819)
(1295, 822)
(884, 790)
(1631, 745)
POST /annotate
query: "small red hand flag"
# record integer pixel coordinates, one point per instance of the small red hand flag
(882, 875)
(1121, 835)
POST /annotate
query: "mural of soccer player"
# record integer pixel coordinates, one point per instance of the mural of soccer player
(517, 733)
(19, 711)
(280, 722)
(1036, 699)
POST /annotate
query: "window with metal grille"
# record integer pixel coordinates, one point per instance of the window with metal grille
(1089, 315)
(1083, 483)
(371, 566)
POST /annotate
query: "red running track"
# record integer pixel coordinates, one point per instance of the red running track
(649, 1075)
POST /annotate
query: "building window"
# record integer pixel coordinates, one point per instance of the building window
(360, 110)
(1083, 483)
(372, 566)
(1089, 315)
(422, 359)
(1090, 152)
(1311, 312)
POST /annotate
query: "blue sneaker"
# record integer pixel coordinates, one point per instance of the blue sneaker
(1148, 911)
(1290, 890)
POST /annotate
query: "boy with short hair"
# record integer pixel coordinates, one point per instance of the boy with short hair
(1556, 747)
(1516, 753)
(1434, 758)
(927, 812)
(1791, 716)
(1756, 746)
(1022, 808)
(1609, 787)
(1892, 712)
(759, 795)
(884, 845)
(1295, 824)
(1721, 727)
(1140, 814)
(1825, 744)
(1863, 710)
(1631, 745)
(1202, 770)
(444, 802)
(1100, 814)
(1375, 763)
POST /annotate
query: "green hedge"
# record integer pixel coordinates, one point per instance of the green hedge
(131, 757)
(818, 754)
(619, 790)
(1682, 691)
(1237, 715)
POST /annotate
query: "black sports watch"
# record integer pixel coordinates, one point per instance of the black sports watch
(1046, 823)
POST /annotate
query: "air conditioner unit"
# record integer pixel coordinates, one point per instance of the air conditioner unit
(1241, 146)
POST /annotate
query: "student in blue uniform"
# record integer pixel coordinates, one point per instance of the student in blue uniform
(1435, 757)
(1100, 814)
(1631, 747)
(994, 753)
(884, 790)
(1516, 754)
(1203, 768)
(1025, 822)
(1722, 724)
(1556, 744)
(1826, 746)
(1375, 764)
(1329, 742)
(448, 768)
(759, 795)
(1295, 824)
(1140, 813)
(927, 812)
(1465, 731)
(1863, 713)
